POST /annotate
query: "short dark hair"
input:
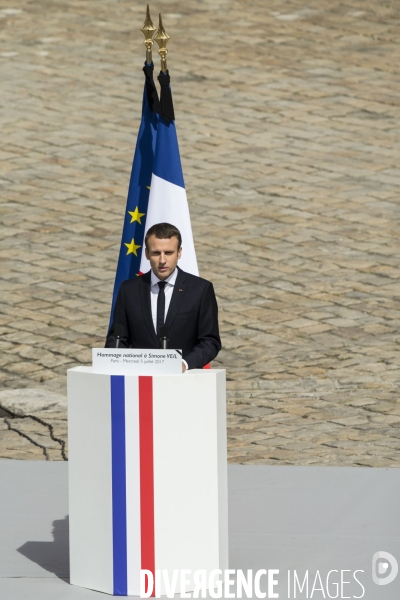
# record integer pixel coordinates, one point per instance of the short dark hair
(163, 231)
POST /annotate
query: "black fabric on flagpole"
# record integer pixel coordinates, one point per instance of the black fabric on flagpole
(167, 107)
(151, 90)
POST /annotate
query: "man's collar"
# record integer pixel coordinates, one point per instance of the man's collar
(171, 279)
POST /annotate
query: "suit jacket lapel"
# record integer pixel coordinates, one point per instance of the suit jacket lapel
(177, 297)
(146, 305)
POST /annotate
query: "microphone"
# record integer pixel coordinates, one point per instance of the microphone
(119, 332)
(164, 337)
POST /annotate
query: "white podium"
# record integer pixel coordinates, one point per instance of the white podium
(147, 477)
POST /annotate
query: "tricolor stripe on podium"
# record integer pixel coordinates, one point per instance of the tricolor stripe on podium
(147, 477)
(133, 487)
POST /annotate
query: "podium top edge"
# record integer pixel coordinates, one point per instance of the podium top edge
(89, 369)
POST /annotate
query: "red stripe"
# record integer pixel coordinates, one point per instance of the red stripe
(146, 473)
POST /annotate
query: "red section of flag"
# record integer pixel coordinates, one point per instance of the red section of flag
(146, 473)
(207, 366)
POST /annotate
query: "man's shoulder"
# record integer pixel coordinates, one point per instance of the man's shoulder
(136, 282)
(195, 280)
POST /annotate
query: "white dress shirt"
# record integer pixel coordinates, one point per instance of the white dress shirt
(154, 290)
(169, 288)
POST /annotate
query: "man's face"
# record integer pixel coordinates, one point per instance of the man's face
(163, 255)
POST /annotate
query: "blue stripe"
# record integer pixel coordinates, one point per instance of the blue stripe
(119, 485)
(167, 160)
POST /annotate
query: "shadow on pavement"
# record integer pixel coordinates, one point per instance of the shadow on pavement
(51, 556)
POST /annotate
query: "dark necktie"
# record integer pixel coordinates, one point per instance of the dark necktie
(160, 306)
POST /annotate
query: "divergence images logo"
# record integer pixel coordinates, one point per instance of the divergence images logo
(381, 561)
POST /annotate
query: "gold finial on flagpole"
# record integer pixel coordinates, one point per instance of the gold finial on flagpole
(148, 29)
(162, 38)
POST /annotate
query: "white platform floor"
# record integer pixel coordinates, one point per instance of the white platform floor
(315, 518)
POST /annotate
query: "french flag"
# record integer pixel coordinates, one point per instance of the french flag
(168, 202)
(132, 487)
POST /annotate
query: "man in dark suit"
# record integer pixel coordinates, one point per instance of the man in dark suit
(168, 297)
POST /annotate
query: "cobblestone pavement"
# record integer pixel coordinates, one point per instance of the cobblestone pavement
(288, 117)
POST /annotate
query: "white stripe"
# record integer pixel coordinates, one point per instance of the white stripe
(168, 204)
(132, 483)
(186, 473)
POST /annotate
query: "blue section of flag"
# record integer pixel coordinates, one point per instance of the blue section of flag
(138, 198)
(167, 161)
(118, 465)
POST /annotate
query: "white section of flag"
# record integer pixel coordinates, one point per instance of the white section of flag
(168, 204)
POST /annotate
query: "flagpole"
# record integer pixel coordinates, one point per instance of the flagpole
(148, 29)
(162, 38)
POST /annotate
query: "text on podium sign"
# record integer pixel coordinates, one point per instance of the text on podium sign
(135, 361)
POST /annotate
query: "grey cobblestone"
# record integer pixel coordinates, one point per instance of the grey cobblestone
(288, 121)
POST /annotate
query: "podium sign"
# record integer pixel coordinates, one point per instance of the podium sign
(135, 361)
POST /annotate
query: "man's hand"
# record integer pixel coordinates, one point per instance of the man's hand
(183, 367)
